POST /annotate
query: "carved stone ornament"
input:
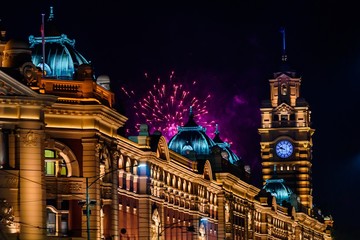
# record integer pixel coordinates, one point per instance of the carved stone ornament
(30, 139)
(6, 213)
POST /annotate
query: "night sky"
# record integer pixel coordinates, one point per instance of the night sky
(231, 49)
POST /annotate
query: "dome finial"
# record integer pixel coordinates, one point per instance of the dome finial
(217, 138)
(217, 129)
(191, 121)
(191, 114)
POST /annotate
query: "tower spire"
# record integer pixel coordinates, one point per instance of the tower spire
(283, 55)
(51, 15)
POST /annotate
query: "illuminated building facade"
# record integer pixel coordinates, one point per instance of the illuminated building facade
(66, 172)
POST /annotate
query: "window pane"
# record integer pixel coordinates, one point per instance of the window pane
(49, 153)
(63, 169)
(50, 168)
(51, 223)
(64, 224)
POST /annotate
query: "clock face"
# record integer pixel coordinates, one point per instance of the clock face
(284, 149)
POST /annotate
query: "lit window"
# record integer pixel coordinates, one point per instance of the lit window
(54, 165)
(49, 168)
(50, 153)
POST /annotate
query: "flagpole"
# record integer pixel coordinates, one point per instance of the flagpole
(43, 43)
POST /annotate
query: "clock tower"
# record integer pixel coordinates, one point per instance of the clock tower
(286, 134)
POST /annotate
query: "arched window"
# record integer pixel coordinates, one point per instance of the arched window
(61, 159)
(184, 185)
(174, 181)
(283, 89)
(135, 169)
(168, 179)
(121, 161)
(128, 165)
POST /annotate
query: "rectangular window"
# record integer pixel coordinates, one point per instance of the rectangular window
(50, 168)
(64, 224)
(63, 169)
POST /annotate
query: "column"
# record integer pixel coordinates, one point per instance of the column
(32, 185)
(221, 233)
(144, 213)
(115, 199)
(91, 170)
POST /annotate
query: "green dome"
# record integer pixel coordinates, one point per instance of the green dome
(191, 138)
(230, 155)
(279, 190)
(61, 57)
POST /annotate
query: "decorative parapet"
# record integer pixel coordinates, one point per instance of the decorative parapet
(64, 185)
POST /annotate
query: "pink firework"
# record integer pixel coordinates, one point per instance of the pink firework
(166, 105)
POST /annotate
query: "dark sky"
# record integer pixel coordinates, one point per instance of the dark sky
(232, 48)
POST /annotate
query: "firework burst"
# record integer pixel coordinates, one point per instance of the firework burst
(166, 105)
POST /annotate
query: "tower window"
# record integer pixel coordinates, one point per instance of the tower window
(283, 89)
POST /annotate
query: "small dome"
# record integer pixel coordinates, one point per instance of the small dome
(16, 44)
(227, 153)
(277, 188)
(61, 57)
(191, 138)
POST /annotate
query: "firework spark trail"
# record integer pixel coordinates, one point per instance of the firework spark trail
(166, 105)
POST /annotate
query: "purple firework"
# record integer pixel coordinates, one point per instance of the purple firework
(165, 106)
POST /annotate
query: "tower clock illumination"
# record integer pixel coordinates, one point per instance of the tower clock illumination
(284, 149)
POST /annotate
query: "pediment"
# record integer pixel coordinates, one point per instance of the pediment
(162, 149)
(284, 109)
(11, 87)
(286, 77)
(283, 76)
